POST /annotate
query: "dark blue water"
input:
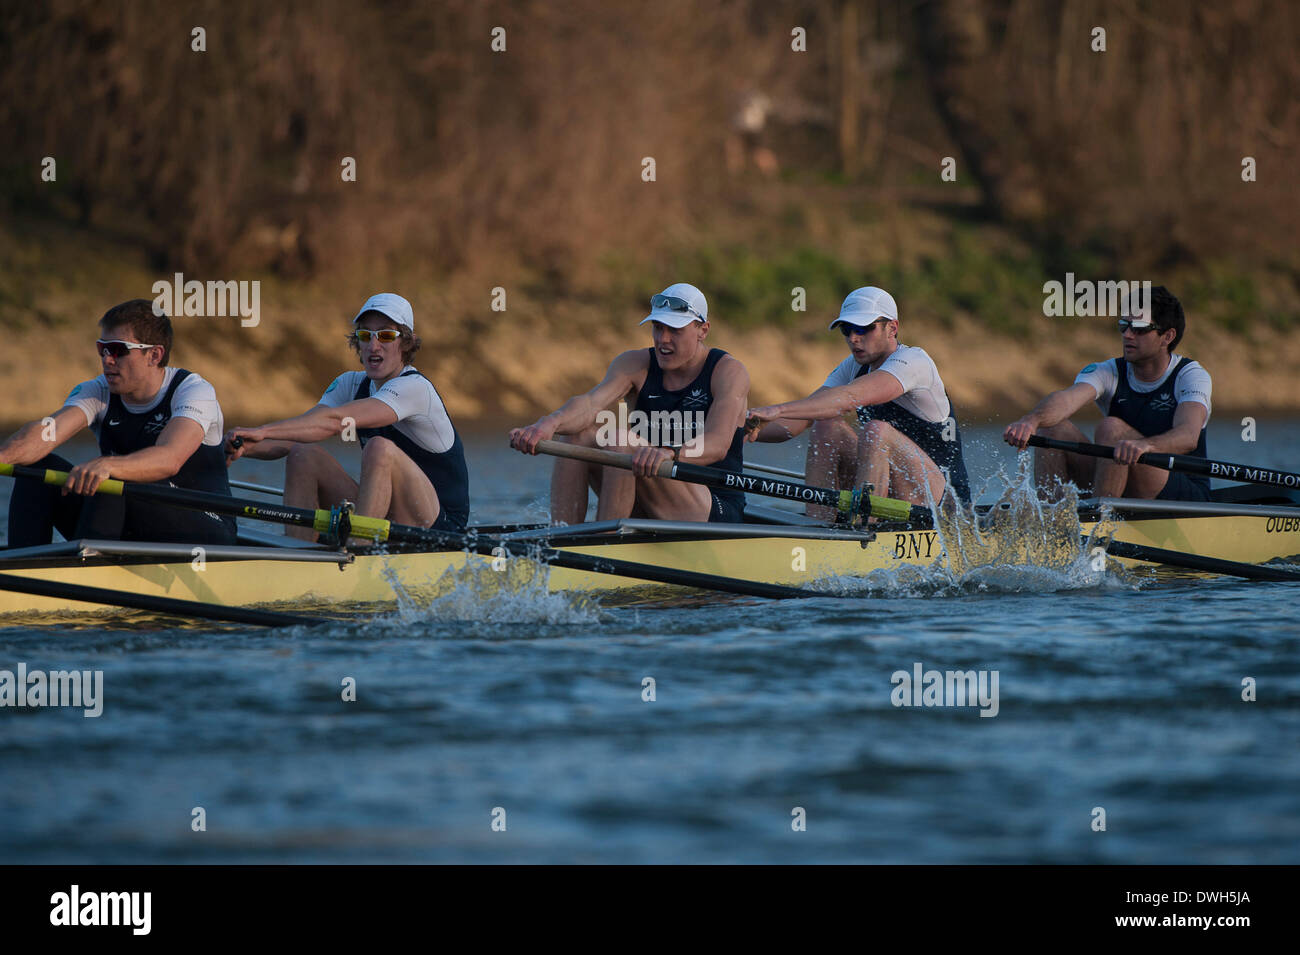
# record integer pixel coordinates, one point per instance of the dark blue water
(1122, 694)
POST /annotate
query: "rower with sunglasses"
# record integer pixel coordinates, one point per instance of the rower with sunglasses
(679, 379)
(412, 459)
(906, 436)
(155, 425)
(1153, 400)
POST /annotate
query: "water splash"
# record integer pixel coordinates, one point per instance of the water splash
(1020, 544)
(509, 591)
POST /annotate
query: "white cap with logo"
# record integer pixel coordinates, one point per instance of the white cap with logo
(391, 306)
(865, 306)
(677, 306)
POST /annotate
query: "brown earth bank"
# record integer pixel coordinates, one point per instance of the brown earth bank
(511, 366)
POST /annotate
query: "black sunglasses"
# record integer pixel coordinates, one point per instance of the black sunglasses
(1127, 323)
(846, 329)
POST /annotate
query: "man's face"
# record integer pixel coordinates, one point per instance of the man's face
(1144, 344)
(676, 347)
(872, 342)
(127, 371)
(381, 360)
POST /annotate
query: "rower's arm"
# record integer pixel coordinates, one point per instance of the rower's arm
(1055, 408)
(730, 387)
(177, 442)
(872, 389)
(36, 439)
(625, 373)
(783, 429)
(319, 423)
(1182, 438)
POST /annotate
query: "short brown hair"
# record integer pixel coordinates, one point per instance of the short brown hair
(146, 325)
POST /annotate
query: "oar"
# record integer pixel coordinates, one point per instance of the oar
(851, 505)
(263, 488)
(343, 524)
(185, 608)
(1186, 463)
(1213, 565)
(769, 469)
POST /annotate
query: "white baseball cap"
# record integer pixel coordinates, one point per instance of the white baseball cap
(865, 306)
(390, 305)
(677, 306)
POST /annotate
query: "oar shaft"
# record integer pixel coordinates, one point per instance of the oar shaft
(1187, 463)
(842, 501)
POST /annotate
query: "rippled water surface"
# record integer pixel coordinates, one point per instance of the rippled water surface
(1116, 692)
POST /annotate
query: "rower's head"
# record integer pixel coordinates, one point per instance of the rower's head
(383, 335)
(679, 317)
(134, 345)
(868, 320)
(1150, 329)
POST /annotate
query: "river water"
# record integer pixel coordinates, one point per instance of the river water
(520, 730)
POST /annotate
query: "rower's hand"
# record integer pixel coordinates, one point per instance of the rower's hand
(1128, 452)
(1019, 432)
(238, 441)
(646, 460)
(527, 439)
(85, 478)
(755, 418)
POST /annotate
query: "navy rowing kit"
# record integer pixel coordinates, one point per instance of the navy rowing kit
(446, 470)
(1151, 413)
(36, 510)
(727, 505)
(941, 440)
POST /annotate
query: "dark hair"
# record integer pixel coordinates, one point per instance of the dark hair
(1167, 313)
(146, 325)
(410, 341)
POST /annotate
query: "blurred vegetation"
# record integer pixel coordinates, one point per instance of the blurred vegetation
(523, 167)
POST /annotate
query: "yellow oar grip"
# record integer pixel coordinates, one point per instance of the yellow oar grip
(376, 528)
(890, 509)
(60, 478)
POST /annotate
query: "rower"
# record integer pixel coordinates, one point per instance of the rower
(155, 425)
(906, 442)
(688, 405)
(412, 458)
(1153, 400)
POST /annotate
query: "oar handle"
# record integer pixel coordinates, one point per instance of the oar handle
(1186, 463)
(850, 504)
(579, 452)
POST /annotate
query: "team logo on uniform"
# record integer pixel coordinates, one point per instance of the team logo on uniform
(1164, 402)
(697, 398)
(156, 423)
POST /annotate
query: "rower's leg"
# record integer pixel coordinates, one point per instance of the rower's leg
(394, 487)
(36, 510)
(1054, 468)
(1122, 480)
(665, 499)
(313, 479)
(571, 479)
(832, 461)
(893, 464)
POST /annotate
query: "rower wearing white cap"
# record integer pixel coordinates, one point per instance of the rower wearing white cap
(680, 380)
(412, 460)
(907, 435)
(1153, 400)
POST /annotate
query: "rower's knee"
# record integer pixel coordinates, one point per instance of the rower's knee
(877, 434)
(833, 432)
(1112, 429)
(379, 451)
(585, 438)
(305, 458)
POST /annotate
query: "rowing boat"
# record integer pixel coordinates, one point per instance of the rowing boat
(776, 547)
